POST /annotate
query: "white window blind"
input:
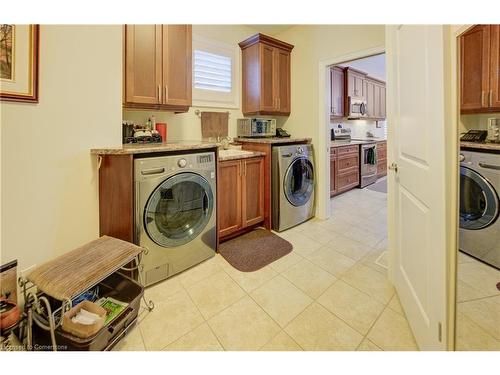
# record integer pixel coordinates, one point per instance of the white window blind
(212, 71)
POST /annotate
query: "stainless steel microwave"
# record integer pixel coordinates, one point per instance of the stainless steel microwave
(357, 107)
(256, 127)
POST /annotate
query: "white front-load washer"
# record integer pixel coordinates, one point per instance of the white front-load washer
(292, 185)
(175, 213)
(479, 206)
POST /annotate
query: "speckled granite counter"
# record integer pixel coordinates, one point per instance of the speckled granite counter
(250, 154)
(480, 146)
(273, 140)
(135, 148)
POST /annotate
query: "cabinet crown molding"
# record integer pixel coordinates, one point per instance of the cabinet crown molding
(266, 39)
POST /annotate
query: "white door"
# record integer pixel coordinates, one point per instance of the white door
(415, 95)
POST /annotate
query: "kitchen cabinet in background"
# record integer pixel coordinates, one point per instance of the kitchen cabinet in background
(240, 195)
(354, 83)
(158, 67)
(480, 69)
(337, 92)
(345, 168)
(266, 76)
(381, 159)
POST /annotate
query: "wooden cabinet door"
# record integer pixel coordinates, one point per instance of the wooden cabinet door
(333, 172)
(337, 92)
(371, 96)
(177, 65)
(252, 191)
(381, 103)
(474, 68)
(268, 100)
(282, 80)
(355, 83)
(143, 56)
(494, 94)
(229, 197)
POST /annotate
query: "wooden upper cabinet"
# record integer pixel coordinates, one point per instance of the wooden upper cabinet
(337, 92)
(474, 69)
(177, 65)
(143, 55)
(495, 67)
(354, 82)
(480, 69)
(158, 67)
(266, 76)
(372, 98)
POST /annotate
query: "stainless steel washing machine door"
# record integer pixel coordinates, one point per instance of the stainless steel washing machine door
(478, 200)
(298, 183)
(178, 210)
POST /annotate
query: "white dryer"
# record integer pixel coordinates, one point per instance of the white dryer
(292, 185)
(175, 213)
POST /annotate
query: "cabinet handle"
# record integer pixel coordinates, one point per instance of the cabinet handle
(159, 93)
(166, 94)
(491, 98)
(279, 103)
(482, 98)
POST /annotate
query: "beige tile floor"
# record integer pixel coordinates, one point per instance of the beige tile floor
(328, 294)
(478, 309)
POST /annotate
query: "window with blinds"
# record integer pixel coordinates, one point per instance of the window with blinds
(215, 73)
(212, 71)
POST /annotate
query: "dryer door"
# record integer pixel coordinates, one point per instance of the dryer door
(298, 183)
(178, 210)
(478, 200)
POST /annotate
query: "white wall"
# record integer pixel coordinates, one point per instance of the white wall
(187, 126)
(314, 44)
(49, 179)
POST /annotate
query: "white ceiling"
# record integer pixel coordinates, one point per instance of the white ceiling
(373, 65)
(270, 29)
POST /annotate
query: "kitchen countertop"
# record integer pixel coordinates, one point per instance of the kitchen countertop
(481, 146)
(273, 140)
(250, 154)
(355, 142)
(135, 148)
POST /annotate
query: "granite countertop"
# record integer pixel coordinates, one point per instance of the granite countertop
(356, 142)
(135, 148)
(273, 140)
(480, 146)
(249, 154)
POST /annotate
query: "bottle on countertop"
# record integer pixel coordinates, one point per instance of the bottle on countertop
(153, 122)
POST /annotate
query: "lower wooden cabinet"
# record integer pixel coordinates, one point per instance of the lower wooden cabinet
(240, 195)
(381, 159)
(344, 169)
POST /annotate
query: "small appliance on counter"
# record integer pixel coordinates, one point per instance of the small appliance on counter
(341, 134)
(132, 133)
(494, 130)
(474, 135)
(256, 127)
(282, 133)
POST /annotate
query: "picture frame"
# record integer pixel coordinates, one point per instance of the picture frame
(19, 62)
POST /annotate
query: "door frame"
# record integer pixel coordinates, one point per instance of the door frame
(323, 210)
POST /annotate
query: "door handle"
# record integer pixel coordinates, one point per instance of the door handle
(393, 167)
(489, 166)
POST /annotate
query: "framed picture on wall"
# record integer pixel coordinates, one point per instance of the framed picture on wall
(19, 50)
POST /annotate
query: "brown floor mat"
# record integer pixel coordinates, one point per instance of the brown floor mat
(255, 250)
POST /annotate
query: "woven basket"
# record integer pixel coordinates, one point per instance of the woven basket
(83, 330)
